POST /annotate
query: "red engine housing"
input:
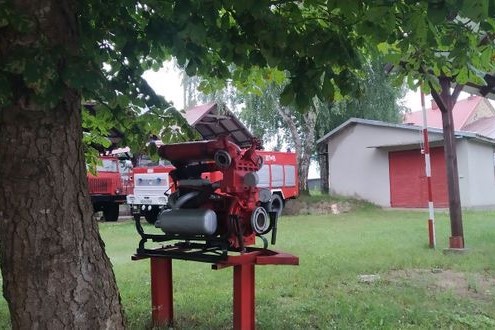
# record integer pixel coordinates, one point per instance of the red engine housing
(235, 199)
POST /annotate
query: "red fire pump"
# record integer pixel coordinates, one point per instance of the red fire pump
(211, 218)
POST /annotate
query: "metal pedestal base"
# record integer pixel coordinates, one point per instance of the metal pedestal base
(243, 284)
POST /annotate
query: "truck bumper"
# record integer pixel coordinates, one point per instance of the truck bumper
(142, 203)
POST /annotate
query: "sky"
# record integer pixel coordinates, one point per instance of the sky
(167, 82)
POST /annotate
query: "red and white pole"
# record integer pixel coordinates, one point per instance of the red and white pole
(431, 218)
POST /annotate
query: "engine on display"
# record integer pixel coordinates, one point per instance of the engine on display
(216, 204)
(230, 209)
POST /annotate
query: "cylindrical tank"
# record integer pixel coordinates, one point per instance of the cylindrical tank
(188, 221)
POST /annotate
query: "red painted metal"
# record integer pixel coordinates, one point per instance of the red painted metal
(162, 310)
(243, 284)
(244, 297)
(235, 197)
(188, 152)
(153, 169)
(244, 281)
(283, 159)
(109, 182)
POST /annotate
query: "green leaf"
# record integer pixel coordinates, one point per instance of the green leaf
(433, 81)
(79, 75)
(462, 76)
(39, 73)
(475, 9)
(287, 96)
(327, 89)
(437, 14)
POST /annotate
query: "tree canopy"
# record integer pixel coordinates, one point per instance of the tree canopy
(319, 42)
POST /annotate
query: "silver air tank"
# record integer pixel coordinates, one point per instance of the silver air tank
(187, 221)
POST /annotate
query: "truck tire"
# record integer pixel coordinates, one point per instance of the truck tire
(276, 204)
(152, 215)
(111, 212)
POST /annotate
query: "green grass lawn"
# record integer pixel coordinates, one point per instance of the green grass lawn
(418, 287)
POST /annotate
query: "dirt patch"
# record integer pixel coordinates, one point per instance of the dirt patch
(301, 207)
(469, 285)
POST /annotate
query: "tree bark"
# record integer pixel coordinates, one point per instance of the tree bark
(307, 147)
(446, 102)
(323, 162)
(55, 272)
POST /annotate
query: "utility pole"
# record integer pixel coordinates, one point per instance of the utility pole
(431, 219)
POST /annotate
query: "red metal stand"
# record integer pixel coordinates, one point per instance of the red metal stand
(243, 284)
(162, 303)
(244, 310)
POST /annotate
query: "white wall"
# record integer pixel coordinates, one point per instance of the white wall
(462, 150)
(477, 174)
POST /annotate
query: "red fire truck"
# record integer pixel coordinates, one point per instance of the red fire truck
(109, 187)
(279, 175)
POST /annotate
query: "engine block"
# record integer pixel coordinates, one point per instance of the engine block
(216, 197)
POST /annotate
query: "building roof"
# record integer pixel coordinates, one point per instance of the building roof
(483, 126)
(462, 111)
(377, 123)
(212, 121)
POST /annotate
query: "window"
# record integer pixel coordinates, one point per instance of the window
(108, 165)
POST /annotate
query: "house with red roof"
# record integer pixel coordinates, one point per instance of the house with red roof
(465, 112)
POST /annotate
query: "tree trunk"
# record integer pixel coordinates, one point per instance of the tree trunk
(55, 271)
(303, 142)
(323, 162)
(307, 148)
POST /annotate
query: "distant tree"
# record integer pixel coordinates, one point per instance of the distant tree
(378, 100)
(269, 119)
(283, 125)
(190, 86)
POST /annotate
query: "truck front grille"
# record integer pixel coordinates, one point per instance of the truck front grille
(100, 186)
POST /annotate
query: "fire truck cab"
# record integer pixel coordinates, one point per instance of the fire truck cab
(151, 189)
(109, 187)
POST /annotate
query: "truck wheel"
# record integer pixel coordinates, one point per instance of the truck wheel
(111, 212)
(152, 215)
(276, 204)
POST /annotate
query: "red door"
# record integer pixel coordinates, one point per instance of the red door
(408, 180)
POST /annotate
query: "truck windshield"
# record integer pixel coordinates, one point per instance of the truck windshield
(108, 165)
(146, 161)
